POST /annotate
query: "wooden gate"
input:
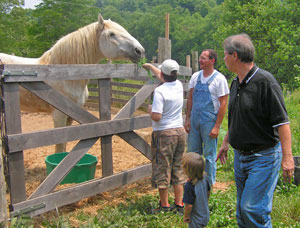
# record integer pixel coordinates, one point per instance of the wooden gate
(32, 78)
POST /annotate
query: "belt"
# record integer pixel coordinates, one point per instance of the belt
(253, 151)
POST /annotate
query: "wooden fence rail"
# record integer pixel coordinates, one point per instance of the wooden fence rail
(122, 91)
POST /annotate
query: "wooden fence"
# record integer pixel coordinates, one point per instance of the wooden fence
(123, 90)
(44, 198)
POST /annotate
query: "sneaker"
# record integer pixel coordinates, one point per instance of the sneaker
(160, 209)
(177, 209)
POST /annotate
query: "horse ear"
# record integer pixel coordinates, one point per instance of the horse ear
(100, 22)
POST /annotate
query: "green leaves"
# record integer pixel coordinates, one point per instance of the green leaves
(274, 29)
(140, 65)
(54, 19)
(141, 62)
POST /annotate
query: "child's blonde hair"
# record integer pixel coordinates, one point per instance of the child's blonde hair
(193, 166)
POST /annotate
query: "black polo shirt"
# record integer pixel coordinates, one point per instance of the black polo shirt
(256, 108)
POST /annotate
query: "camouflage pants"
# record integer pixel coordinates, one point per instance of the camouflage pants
(167, 149)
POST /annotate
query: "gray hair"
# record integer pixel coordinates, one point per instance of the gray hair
(242, 45)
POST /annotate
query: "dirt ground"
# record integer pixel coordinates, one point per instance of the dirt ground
(124, 157)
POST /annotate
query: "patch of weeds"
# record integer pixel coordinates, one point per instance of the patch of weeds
(83, 217)
(21, 222)
(222, 208)
(285, 188)
(61, 222)
(136, 213)
(286, 207)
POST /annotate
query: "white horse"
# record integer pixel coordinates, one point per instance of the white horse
(87, 45)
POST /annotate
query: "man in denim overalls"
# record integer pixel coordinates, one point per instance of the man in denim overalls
(206, 107)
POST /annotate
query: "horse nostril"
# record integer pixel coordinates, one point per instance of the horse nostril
(138, 52)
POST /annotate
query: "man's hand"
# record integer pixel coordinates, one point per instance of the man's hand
(214, 133)
(288, 168)
(187, 125)
(147, 66)
(222, 155)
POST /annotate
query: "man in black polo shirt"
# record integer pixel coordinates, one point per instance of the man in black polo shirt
(258, 131)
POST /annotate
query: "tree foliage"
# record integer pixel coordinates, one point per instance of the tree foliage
(13, 22)
(53, 19)
(274, 29)
(273, 26)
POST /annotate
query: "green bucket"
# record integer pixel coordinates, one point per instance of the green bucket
(84, 170)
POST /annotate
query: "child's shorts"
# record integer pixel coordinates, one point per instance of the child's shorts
(167, 149)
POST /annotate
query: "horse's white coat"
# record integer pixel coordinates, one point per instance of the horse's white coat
(87, 45)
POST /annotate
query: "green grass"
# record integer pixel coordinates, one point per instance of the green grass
(135, 213)
(286, 207)
(293, 108)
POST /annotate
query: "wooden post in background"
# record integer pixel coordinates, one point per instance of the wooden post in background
(3, 205)
(167, 30)
(164, 49)
(164, 44)
(188, 61)
(154, 59)
(195, 62)
(186, 78)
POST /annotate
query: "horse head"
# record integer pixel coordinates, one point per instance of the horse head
(116, 43)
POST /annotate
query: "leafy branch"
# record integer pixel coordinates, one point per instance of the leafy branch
(140, 65)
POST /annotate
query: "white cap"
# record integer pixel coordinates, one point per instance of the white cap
(168, 66)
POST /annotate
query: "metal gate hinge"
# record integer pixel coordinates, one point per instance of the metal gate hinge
(27, 210)
(19, 73)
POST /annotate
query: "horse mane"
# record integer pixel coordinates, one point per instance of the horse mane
(79, 47)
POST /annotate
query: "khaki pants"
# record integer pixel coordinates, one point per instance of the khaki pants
(167, 149)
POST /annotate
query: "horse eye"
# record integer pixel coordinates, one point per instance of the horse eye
(112, 34)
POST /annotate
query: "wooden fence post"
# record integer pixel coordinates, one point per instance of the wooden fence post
(167, 28)
(195, 62)
(16, 180)
(154, 59)
(3, 205)
(164, 44)
(188, 61)
(104, 91)
(164, 49)
(186, 79)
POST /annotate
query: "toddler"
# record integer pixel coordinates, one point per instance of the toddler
(196, 191)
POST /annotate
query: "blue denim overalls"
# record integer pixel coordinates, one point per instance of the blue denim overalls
(203, 118)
